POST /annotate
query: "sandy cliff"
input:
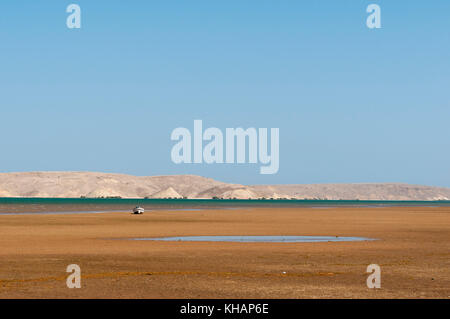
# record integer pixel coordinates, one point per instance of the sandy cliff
(89, 184)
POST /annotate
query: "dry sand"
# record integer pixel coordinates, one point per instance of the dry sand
(413, 251)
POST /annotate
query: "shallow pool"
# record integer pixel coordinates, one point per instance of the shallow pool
(257, 239)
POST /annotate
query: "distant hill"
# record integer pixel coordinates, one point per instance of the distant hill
(167, 193)
(90, 184)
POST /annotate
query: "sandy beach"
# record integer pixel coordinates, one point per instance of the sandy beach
(412, 248)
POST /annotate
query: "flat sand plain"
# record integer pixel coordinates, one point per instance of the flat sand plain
(413, 250)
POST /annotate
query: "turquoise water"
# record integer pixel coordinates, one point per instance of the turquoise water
(260, 239)
(95, 211)
(214, 202)
(63, 213)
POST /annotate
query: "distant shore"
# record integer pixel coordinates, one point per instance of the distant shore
(31, 204)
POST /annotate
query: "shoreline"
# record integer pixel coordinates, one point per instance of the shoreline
(77, 205)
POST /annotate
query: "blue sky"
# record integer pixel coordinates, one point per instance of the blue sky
(352, 104)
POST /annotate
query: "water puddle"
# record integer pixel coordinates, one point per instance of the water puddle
(259, 239)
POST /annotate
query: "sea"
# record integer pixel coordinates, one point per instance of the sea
(194, 203)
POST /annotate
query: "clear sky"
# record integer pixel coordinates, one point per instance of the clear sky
(352, 104)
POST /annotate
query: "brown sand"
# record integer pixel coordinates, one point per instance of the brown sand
(413, 251)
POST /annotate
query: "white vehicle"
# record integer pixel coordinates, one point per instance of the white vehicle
(138, 210)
